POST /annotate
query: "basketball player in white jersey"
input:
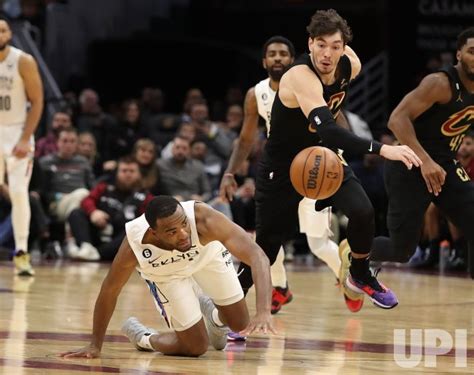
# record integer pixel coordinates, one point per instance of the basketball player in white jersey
(20, 84)
(178, 248)
(278, 53)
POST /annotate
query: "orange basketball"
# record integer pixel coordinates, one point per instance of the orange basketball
(316, 172)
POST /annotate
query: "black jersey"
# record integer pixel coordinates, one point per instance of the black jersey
(441, 128)
(291, 131)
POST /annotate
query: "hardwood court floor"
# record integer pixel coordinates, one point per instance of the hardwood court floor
(317, 335)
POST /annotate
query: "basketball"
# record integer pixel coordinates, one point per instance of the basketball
(316, 172)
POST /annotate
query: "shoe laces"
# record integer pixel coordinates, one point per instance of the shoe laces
(370, 278)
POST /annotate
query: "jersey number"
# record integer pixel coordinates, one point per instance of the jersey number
(462, 174)
(456, 142)
(5, 103)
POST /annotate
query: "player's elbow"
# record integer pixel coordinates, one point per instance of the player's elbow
(394, 121)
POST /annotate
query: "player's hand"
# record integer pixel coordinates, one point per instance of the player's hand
(22, 149)
(228, 187)
(260, 323)
(99, 218)
(89, 351)
(434, 176)
(402, 153)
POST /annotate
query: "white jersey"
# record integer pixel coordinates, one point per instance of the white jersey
(162, 265)
(13, 100)
(265, 97)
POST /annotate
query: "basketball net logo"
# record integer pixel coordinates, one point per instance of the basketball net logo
(459, 122)
(334, 105)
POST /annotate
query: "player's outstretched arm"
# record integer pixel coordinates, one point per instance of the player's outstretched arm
(302, 88)
(434, 88)
(212, 225)
(242, 147)
(119, 273)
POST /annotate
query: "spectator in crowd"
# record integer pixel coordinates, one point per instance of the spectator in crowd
(234, 119)
(218, 142)
(67, 176)
(121, 138)
(98, 226)
(152, 102)
(193, 95)
(92, 118)
(87, 147)
(144, 152)
(49, 143)
(185, 130)
(183, 177)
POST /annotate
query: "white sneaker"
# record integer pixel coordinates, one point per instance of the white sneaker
(217, 335)
(87, 252)
(72, 249)
(134, 330)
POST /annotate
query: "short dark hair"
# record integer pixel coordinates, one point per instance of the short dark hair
(278, 39)
(470, 133)
(4, 17)
(464, 36)
(128, 159)
(328, 22)
(160, 207)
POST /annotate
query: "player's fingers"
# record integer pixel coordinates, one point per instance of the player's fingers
(229, 194)
(435, 185)
(247, 331)
(73, 355)
(428, 184)
(406, 161)
(272, 329)
(414, 158)
(440, 180)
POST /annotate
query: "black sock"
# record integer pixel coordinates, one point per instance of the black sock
(360, 268)
(433, 256)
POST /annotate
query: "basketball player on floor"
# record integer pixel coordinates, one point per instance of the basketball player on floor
(20, 83)
(433, 120)
(178, 247)
(278, 53)
(311, 93)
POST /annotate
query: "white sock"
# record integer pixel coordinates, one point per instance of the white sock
(326, 250)
(278, 271)
(145, 342)
(216, 319)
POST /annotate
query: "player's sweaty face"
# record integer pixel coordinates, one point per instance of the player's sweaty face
(326, 51)
(174, 232)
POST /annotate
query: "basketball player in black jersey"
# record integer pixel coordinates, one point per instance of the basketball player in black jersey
(433, 120)
(310, 95)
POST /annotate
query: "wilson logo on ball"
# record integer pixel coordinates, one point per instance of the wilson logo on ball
(316, 172)
(313, 173)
